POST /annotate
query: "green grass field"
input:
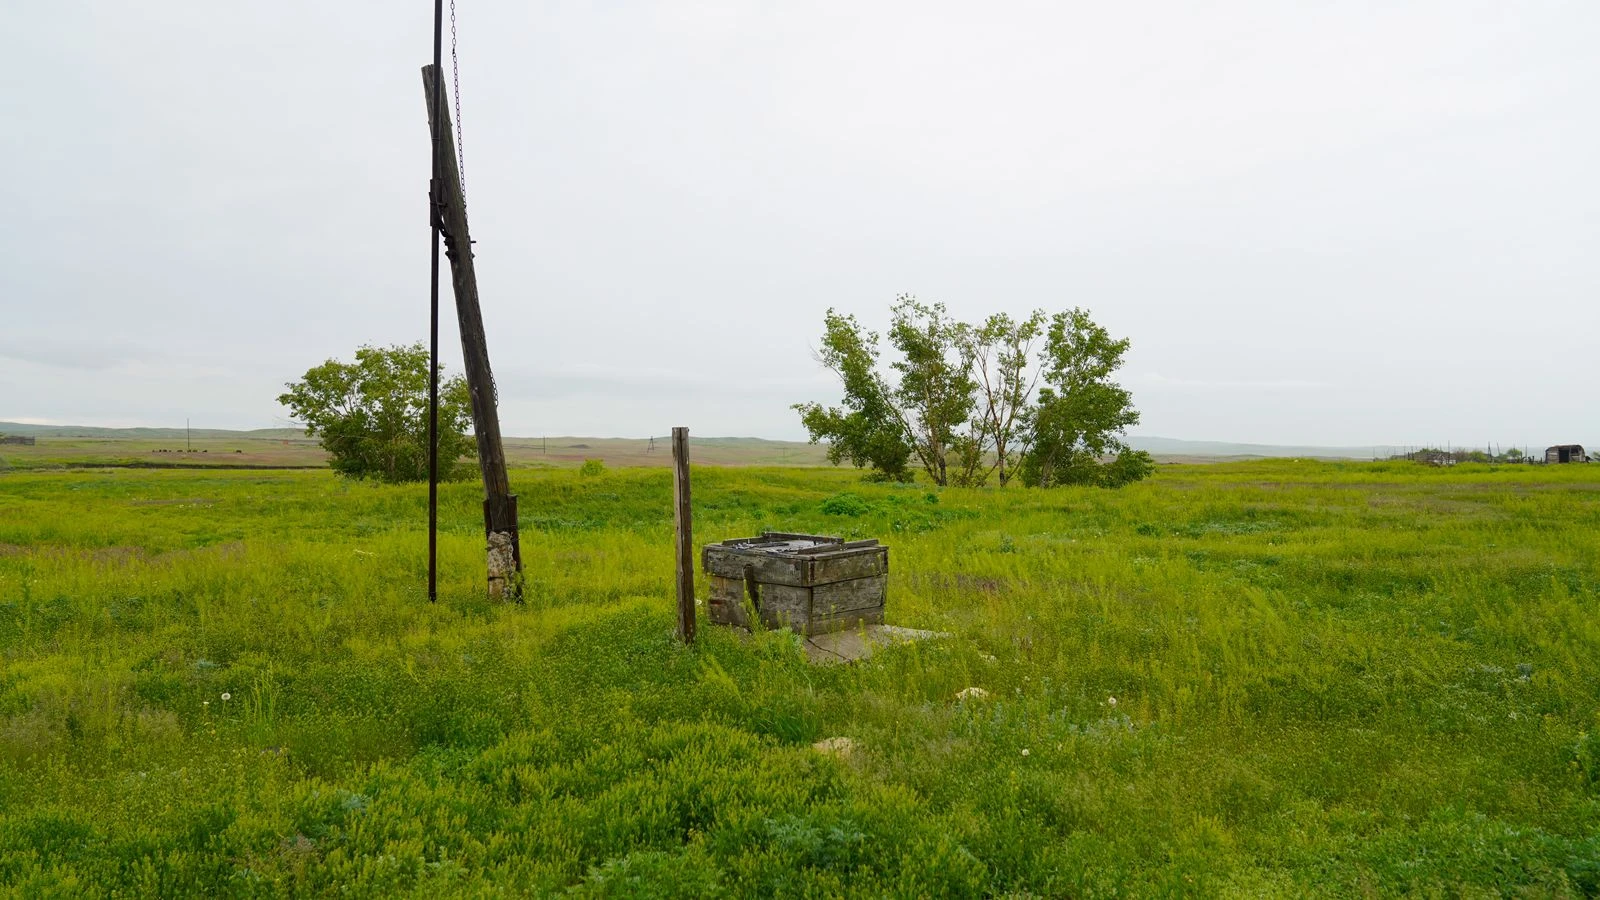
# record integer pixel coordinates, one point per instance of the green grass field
(1261, 679)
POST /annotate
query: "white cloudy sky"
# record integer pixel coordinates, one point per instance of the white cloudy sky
(1321, 223)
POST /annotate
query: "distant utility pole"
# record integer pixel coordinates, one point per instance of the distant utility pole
(450, 217)
(186, 448)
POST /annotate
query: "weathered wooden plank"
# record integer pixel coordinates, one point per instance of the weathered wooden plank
(768, 569)
(842, 596)
(683, 527)
(791, 536)
(785, 605)
(794, 569)
(726, 605)
(837, 548)
(845, 566)
(726, 588)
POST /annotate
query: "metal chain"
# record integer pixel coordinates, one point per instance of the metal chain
(455, 74)
(461, 150)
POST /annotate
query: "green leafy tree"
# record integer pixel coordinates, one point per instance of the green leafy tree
(924, 415)
(1081, 414)
(868, 429)
(372, 415)
(967, 401)
(935, 393)
(1001, 351)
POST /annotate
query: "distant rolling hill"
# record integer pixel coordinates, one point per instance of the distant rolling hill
(146, 434)
(705, 450)
(1173, 447)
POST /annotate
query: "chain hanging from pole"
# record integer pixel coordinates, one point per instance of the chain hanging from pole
(455, 76)
(461, 143)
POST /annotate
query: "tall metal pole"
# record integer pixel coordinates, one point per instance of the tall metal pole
(435, 218)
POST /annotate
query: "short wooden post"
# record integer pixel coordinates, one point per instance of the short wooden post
(682, 520)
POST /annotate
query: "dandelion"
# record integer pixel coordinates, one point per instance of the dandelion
(1111, 701)
(1024, 751)
(227, 696)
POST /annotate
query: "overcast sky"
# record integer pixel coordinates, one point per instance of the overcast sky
(1318, 223)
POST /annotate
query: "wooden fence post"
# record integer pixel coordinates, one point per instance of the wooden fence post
(682, 520)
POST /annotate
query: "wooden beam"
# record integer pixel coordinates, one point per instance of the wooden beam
(682, 520)
(499, 504)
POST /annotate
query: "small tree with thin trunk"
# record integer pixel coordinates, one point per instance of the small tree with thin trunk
(868, 430)
(1000, 354)
(372, 415)
(935, 394)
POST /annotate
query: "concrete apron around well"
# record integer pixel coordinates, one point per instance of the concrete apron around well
(836, 647)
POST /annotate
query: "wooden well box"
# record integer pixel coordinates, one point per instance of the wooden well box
(812, 584)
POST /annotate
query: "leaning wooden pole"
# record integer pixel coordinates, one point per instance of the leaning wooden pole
(499, 504)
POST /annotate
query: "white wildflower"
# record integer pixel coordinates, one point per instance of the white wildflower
(971, 693)
(1024, 751)
(1111, 701)
(227, 696)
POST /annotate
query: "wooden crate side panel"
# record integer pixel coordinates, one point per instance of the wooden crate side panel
(768, 569)
(783, 604)
(843, 596)
(846, 566)
(726, 605)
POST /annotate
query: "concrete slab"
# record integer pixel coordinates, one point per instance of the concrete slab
(859, 643)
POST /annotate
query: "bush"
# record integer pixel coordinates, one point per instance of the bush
(592, 467)
(372, 415)
(846, 504)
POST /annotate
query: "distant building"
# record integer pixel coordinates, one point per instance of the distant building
(1565, 453)
(16, 439)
